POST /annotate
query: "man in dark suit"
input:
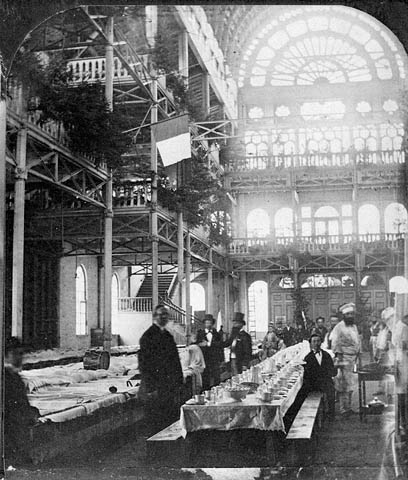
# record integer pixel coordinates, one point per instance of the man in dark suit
(240, 343)
(318, 376)
(319, 372)
(288, 335)
(160, 369)
(210, 342)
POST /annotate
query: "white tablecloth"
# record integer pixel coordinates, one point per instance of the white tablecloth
(249, 413)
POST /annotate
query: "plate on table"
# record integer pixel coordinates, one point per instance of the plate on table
(192, 402)
(253, 386)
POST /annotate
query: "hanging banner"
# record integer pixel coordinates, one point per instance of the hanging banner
(173, 139)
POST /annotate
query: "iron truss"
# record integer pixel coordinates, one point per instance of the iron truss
(48, 160)
(82, 233)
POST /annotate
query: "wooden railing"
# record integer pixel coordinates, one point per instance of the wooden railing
(144, 305)
(136, 195)
(313, 243)
(135, 304)
(265, 162)
(93, 70)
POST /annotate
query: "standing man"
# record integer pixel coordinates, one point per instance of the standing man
(320, 328)
(19, 415)
(210, 342)
(240, 343)
(270, 343)
(346, 347)
(288, 335)
(161, 373)
(400, 340)
(319, 371)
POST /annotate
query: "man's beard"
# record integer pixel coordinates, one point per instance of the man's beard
(349, 321)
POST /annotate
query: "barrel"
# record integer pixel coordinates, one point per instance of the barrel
(96, 359)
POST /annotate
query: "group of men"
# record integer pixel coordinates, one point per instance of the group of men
(160, 366)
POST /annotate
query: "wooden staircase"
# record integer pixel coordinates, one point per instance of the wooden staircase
(165, 283)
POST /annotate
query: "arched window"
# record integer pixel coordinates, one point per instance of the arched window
(326, 221)
(395, 217)
(115, 304)
(258, 223)
(373, 280)
(284, 222)
(258, 306)
(197, 297)
(368, 220)
(81, 301)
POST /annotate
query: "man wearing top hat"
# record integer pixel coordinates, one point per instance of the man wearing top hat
(210, 342)
(345, 343)
(240, 343)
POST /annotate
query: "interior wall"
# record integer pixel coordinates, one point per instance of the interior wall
(67, 296)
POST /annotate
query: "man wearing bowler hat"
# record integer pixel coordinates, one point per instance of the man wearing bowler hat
(240, 343)
(210, 342)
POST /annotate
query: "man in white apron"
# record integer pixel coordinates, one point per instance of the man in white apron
(346, 346)
(400, 340)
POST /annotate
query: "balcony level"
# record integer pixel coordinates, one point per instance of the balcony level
(375, 169)
(251, 163)
(316, 244)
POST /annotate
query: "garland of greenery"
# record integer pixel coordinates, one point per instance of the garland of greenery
(93, 129)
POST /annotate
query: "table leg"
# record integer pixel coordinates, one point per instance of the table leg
(364, 401)
(272, 448)
(360, 400)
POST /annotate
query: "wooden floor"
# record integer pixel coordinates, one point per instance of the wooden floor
(347, 449)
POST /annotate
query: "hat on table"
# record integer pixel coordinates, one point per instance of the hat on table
(239, 317)
(347, 308)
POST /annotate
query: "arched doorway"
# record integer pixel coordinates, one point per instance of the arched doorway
(258, 311)
(197, 297)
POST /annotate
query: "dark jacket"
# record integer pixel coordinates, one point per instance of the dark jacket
(19, 416)
(317, 377)
(243, 347)
(159, 361)
(214, 354)
(289, 336)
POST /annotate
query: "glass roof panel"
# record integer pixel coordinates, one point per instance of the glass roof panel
(327, 43)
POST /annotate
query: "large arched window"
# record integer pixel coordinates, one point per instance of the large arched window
(312, 45)
(81, 324)
(326, 221)
(115, 304)
(258, 223)
(395, 218)
(284, 222)
(258, 306)
(368, 220)
(197, 297)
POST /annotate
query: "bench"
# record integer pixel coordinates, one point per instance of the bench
(301, 438)
(166, 444)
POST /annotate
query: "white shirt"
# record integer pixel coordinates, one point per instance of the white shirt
(209, 337)
(318, 356)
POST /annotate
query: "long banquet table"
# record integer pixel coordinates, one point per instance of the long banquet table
(251, 412)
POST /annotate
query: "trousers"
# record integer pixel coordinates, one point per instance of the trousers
(345, 401)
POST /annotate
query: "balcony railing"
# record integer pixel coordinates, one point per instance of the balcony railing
(144, 305)
(265, 162)
(93, 70)
(135, 195)
(313, 243)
